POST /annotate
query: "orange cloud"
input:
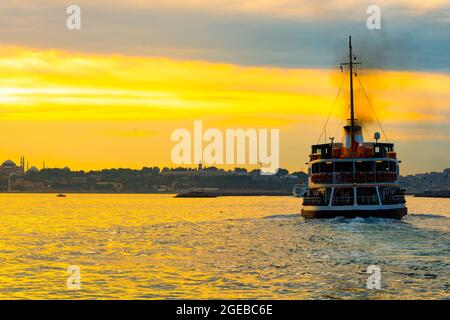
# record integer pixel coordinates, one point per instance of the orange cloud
(62, 85)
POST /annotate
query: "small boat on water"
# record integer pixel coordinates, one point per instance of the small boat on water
(198, 193)
(61, 195)
(354, 178)
(195, 194)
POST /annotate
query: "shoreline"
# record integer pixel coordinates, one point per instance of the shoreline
(442, 194)
(219, 194)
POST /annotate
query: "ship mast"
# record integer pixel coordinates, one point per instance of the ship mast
(352, 106)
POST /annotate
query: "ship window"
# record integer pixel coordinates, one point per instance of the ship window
(392, 166)
(382, 148)
(323, 150)
(326, 167)
(322, 167)
(343, 166)
(386, 166)
(364, 166)
(343, 197)
(380, 151)
(366, 196)
(391, 195)
(320, 196)
(316, 168)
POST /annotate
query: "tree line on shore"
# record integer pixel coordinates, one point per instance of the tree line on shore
(150, 179)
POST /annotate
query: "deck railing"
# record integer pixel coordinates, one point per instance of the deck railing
(367, 200)
(314, 201)
(358, 177)
(349, 201)
(343, 201)
(396, 199)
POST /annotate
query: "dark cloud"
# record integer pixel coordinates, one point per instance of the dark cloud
(407, 41)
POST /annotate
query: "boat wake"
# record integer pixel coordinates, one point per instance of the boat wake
(427, 216)
(283, 216)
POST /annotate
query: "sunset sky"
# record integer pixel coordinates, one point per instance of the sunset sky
(110, 94)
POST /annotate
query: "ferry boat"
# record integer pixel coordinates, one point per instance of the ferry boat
(353, 178)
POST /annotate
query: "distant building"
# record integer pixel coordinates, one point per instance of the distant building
(116, 186)
(9, 167)
(22, 184)
(32, 169)
(433, 181)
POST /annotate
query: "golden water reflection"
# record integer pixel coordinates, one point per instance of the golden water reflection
(157, 247)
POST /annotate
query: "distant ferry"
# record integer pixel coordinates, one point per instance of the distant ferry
(353, 178)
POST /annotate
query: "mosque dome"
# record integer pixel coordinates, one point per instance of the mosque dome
(8, 164)
(33, 169)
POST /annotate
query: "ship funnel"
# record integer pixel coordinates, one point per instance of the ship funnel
(347, 136)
